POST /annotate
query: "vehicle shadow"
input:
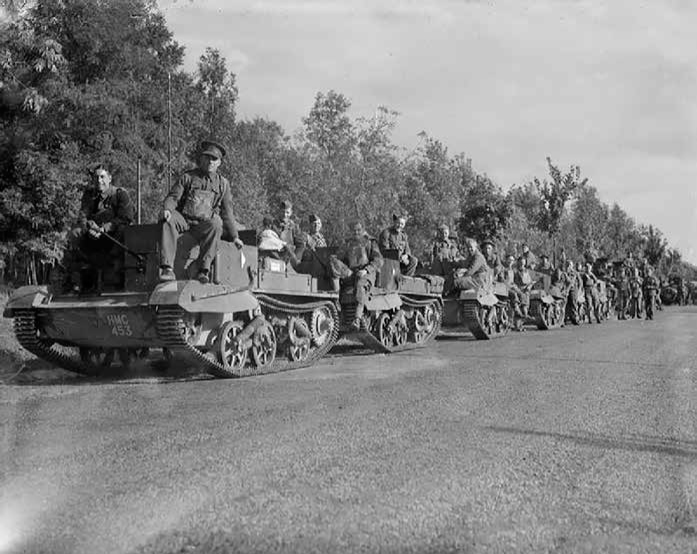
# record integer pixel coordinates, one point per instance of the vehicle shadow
(631, 442)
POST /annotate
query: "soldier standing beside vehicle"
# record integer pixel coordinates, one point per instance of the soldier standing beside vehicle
(623, 293)
(200, 204)
(590, 288)
(523, 280)
(104, 208)
(357, 263)
(515, 296)
(574, 285)
(651, 286)
(394, 238)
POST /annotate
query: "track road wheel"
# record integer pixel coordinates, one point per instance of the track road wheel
(382, 330)
(401, 332)
(231, 354)
(264, 345)
(299, 352)
(321, 326)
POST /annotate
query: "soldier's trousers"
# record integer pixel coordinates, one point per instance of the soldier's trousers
(100, 254)
(592, 302)
(361, 287)
(572, 303)
(207, 233)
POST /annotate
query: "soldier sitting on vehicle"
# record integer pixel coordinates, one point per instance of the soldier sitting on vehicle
(357, 264)
(200, 204)
(530, 258)
(272, 246)
(315, 239)
(104, 210)
(444, 252)
(492, 258)
(473, 271)
(545, 267)
(394, 238)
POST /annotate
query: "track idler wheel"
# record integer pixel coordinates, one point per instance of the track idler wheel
(231, 352)
(264, 345)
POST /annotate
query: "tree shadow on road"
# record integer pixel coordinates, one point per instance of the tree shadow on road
(633, 442)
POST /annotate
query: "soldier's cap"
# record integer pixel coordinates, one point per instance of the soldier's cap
(212, 149)
(545, 256)
(286, 205)
(488, 241)
(397, 216)
(443, 226)
(314, 218)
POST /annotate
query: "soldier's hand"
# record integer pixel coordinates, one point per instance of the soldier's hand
(166, 215)
(405, 258)
(362, 272)
(238, 243)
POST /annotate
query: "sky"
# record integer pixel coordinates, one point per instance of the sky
(610, 86)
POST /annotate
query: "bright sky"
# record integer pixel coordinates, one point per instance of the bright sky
(611, 86)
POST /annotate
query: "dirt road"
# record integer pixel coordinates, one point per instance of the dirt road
(577, 440)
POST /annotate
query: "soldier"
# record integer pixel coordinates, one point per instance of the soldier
(590, 288)
(394, 238)
(544, 266)
(630, 263)
(651, 286)
(492, 258)
(515, 295)
(530, 258)
(635, 294)
(104, 208)
(287, 228)
(473, 271)
(200, 204)
(357, 263)
(623, 293)
(316, 239)
(574, 285)
(443, 252)
(523, 281)
(561, 279)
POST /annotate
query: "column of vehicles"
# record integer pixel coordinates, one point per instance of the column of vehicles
(271, 306)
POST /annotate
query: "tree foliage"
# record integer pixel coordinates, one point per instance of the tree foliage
(87, 81)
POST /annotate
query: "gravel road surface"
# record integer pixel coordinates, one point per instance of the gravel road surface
(576, 440)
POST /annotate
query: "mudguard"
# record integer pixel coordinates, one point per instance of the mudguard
(30, 296)
(193, 296)
(542, 296)
(484, 297)
(383, 302)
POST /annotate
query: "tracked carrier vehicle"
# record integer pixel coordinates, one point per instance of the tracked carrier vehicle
(401, 312)
(485, 311)
(251, 319)
(546, 304)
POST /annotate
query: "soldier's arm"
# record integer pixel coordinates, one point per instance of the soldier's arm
(226, 213)
(407, 250)
(175, 194)
(477, 264)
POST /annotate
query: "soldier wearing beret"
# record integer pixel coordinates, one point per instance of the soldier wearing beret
(200, 204)
(394, 238)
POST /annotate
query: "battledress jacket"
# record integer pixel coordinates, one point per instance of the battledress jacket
(391, 239)
(361, 253)
(113, 211)
(199, 196)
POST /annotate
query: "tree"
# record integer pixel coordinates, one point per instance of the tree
(329, 127)
(486, 211)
